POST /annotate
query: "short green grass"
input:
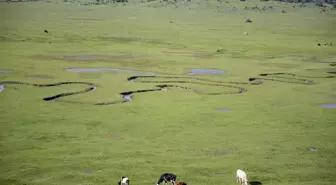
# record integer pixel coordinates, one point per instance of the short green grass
(268, 132)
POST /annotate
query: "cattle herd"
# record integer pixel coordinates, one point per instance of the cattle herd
(170, 177)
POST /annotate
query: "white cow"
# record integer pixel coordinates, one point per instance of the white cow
(241, 177)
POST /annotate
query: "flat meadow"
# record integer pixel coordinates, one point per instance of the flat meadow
(273, 125)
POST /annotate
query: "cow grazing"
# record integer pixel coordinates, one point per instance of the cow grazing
(179, 183)
(241, 177)
(124, 181)
(166, 177)
(248, 20)
(46, 31)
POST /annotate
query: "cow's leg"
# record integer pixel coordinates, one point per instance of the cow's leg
(165, 180)
(159, 181)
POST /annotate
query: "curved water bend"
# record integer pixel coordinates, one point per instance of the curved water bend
(51, 98)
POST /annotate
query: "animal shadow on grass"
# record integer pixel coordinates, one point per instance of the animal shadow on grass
(255, 183)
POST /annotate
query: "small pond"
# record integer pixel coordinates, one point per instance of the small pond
(224, 110)
(329, 105)
(2, 87)
(200, 71)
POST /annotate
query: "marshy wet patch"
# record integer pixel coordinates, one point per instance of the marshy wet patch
(201, 55)
(72, 57)
(85, 19)
(218, 152)
(90, 75)
(177, 52)
(115, 57)
(224, 110)
(85, 58)
(302, 58)
(329, 105)
(5, 71)
(142, 40)
(188, 53)
(326, 95)
(280, 65)
(2, 87)
(115, 137)
(8, 39)
(88, 171)
(41, 76)
(95, 70)
(202, 71)
(120, 39)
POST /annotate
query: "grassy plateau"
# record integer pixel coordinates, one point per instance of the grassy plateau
(276, 131)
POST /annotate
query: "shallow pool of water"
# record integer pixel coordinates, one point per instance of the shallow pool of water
(200, 71)
(88, 171)
(4, 71)
(224, 110)
(2, 87)
(127, 97)
(329, 105)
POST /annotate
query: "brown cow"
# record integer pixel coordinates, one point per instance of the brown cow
(179, 183)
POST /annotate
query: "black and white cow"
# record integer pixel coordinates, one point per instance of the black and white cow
(166, 177)
(124, 181)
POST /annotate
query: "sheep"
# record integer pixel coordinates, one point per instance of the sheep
(241, 177)
(179, 183)
(245, 33)
(166, 177)
(124, 181)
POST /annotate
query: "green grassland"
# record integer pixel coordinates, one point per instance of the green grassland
(268, 132)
